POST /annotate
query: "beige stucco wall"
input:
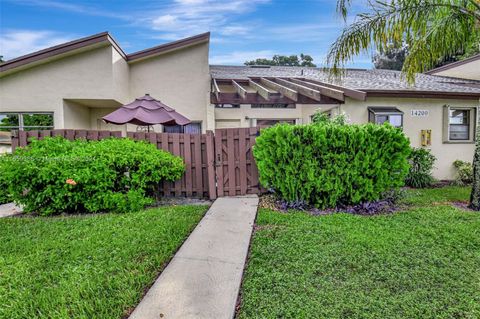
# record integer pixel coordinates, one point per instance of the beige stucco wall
(227, 117)
(180, 79)
(446, 153)
(81, 88)
(87, 75)
(470, 70)
(357, 112)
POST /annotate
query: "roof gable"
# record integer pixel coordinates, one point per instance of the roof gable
(91, 42)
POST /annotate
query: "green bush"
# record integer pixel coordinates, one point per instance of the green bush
(54, 175)
(464, 172)
(4, 192)
(421, 166)
(327, 165)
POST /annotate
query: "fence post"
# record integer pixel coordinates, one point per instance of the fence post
(212, 188)
(14, 136)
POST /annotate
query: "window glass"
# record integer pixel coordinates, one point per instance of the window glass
(37, 120)
(23, 122)
(459, 125)
(380, 119)
(192, 128)
(395, 120)
(9, 121)
(268, 122)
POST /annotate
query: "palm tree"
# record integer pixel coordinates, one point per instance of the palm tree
(432, 29)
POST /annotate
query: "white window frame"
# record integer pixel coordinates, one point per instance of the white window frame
(472, 125)
(372, 114)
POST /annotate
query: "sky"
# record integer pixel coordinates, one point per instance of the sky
(241, 30)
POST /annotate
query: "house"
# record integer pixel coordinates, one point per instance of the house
(465, 69)
(73, 85)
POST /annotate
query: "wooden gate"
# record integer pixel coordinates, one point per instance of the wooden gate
(235, 166)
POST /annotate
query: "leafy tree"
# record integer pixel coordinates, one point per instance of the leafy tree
(390, 59)
(433, 30)
(1, 59)
(283, 60)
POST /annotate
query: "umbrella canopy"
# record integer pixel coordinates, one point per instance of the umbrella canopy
(146, 111)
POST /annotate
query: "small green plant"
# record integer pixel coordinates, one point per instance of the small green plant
(323, 118)
(464, 172)
(421, 165)
(327, 165)
(54, 175)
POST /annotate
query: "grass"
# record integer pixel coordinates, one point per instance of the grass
(420, 263)
(95, 266)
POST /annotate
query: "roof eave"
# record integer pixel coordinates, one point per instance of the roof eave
(61, 49)
(422, 94)
(453, 65)
(169, 47)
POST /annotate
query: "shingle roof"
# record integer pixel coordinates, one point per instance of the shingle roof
(360, 79)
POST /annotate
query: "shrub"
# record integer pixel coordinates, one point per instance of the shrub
(464, 172)
(4, 192)
(421, 165)
(327, 165)
(54, 175)
(322, 118)
(475, 194)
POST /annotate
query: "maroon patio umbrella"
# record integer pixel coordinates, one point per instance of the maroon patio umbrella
(146, 111)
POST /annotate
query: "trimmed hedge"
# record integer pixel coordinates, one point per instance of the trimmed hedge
(55, 175)
(328, 165)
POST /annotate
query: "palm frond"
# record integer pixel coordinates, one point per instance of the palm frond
(433, 29)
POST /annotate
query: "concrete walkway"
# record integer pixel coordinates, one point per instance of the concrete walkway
(203, 278)
(7, 210)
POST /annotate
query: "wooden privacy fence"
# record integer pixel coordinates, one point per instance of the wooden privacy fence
(215, 165)
(197, 153)
(21, 138)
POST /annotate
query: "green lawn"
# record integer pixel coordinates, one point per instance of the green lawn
(95, 266)
(420, 263)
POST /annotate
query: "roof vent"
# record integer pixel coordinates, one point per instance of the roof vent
(260, 66)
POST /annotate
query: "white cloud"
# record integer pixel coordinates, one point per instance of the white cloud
(188, 17)
(239, 57)
(14, 43)
(72, 7)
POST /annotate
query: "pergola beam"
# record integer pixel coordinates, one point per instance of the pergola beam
(262, 91)
(216, 90)
(304, 90)
(240, 90)
(330, 92)
(285, 91)
(354, 94)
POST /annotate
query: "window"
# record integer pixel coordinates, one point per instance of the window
(459, 122)
(273, 106)
(380, 115)
(271, 122)
(192, 128)
(23, 122)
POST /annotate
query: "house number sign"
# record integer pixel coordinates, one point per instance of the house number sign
(419, 113)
